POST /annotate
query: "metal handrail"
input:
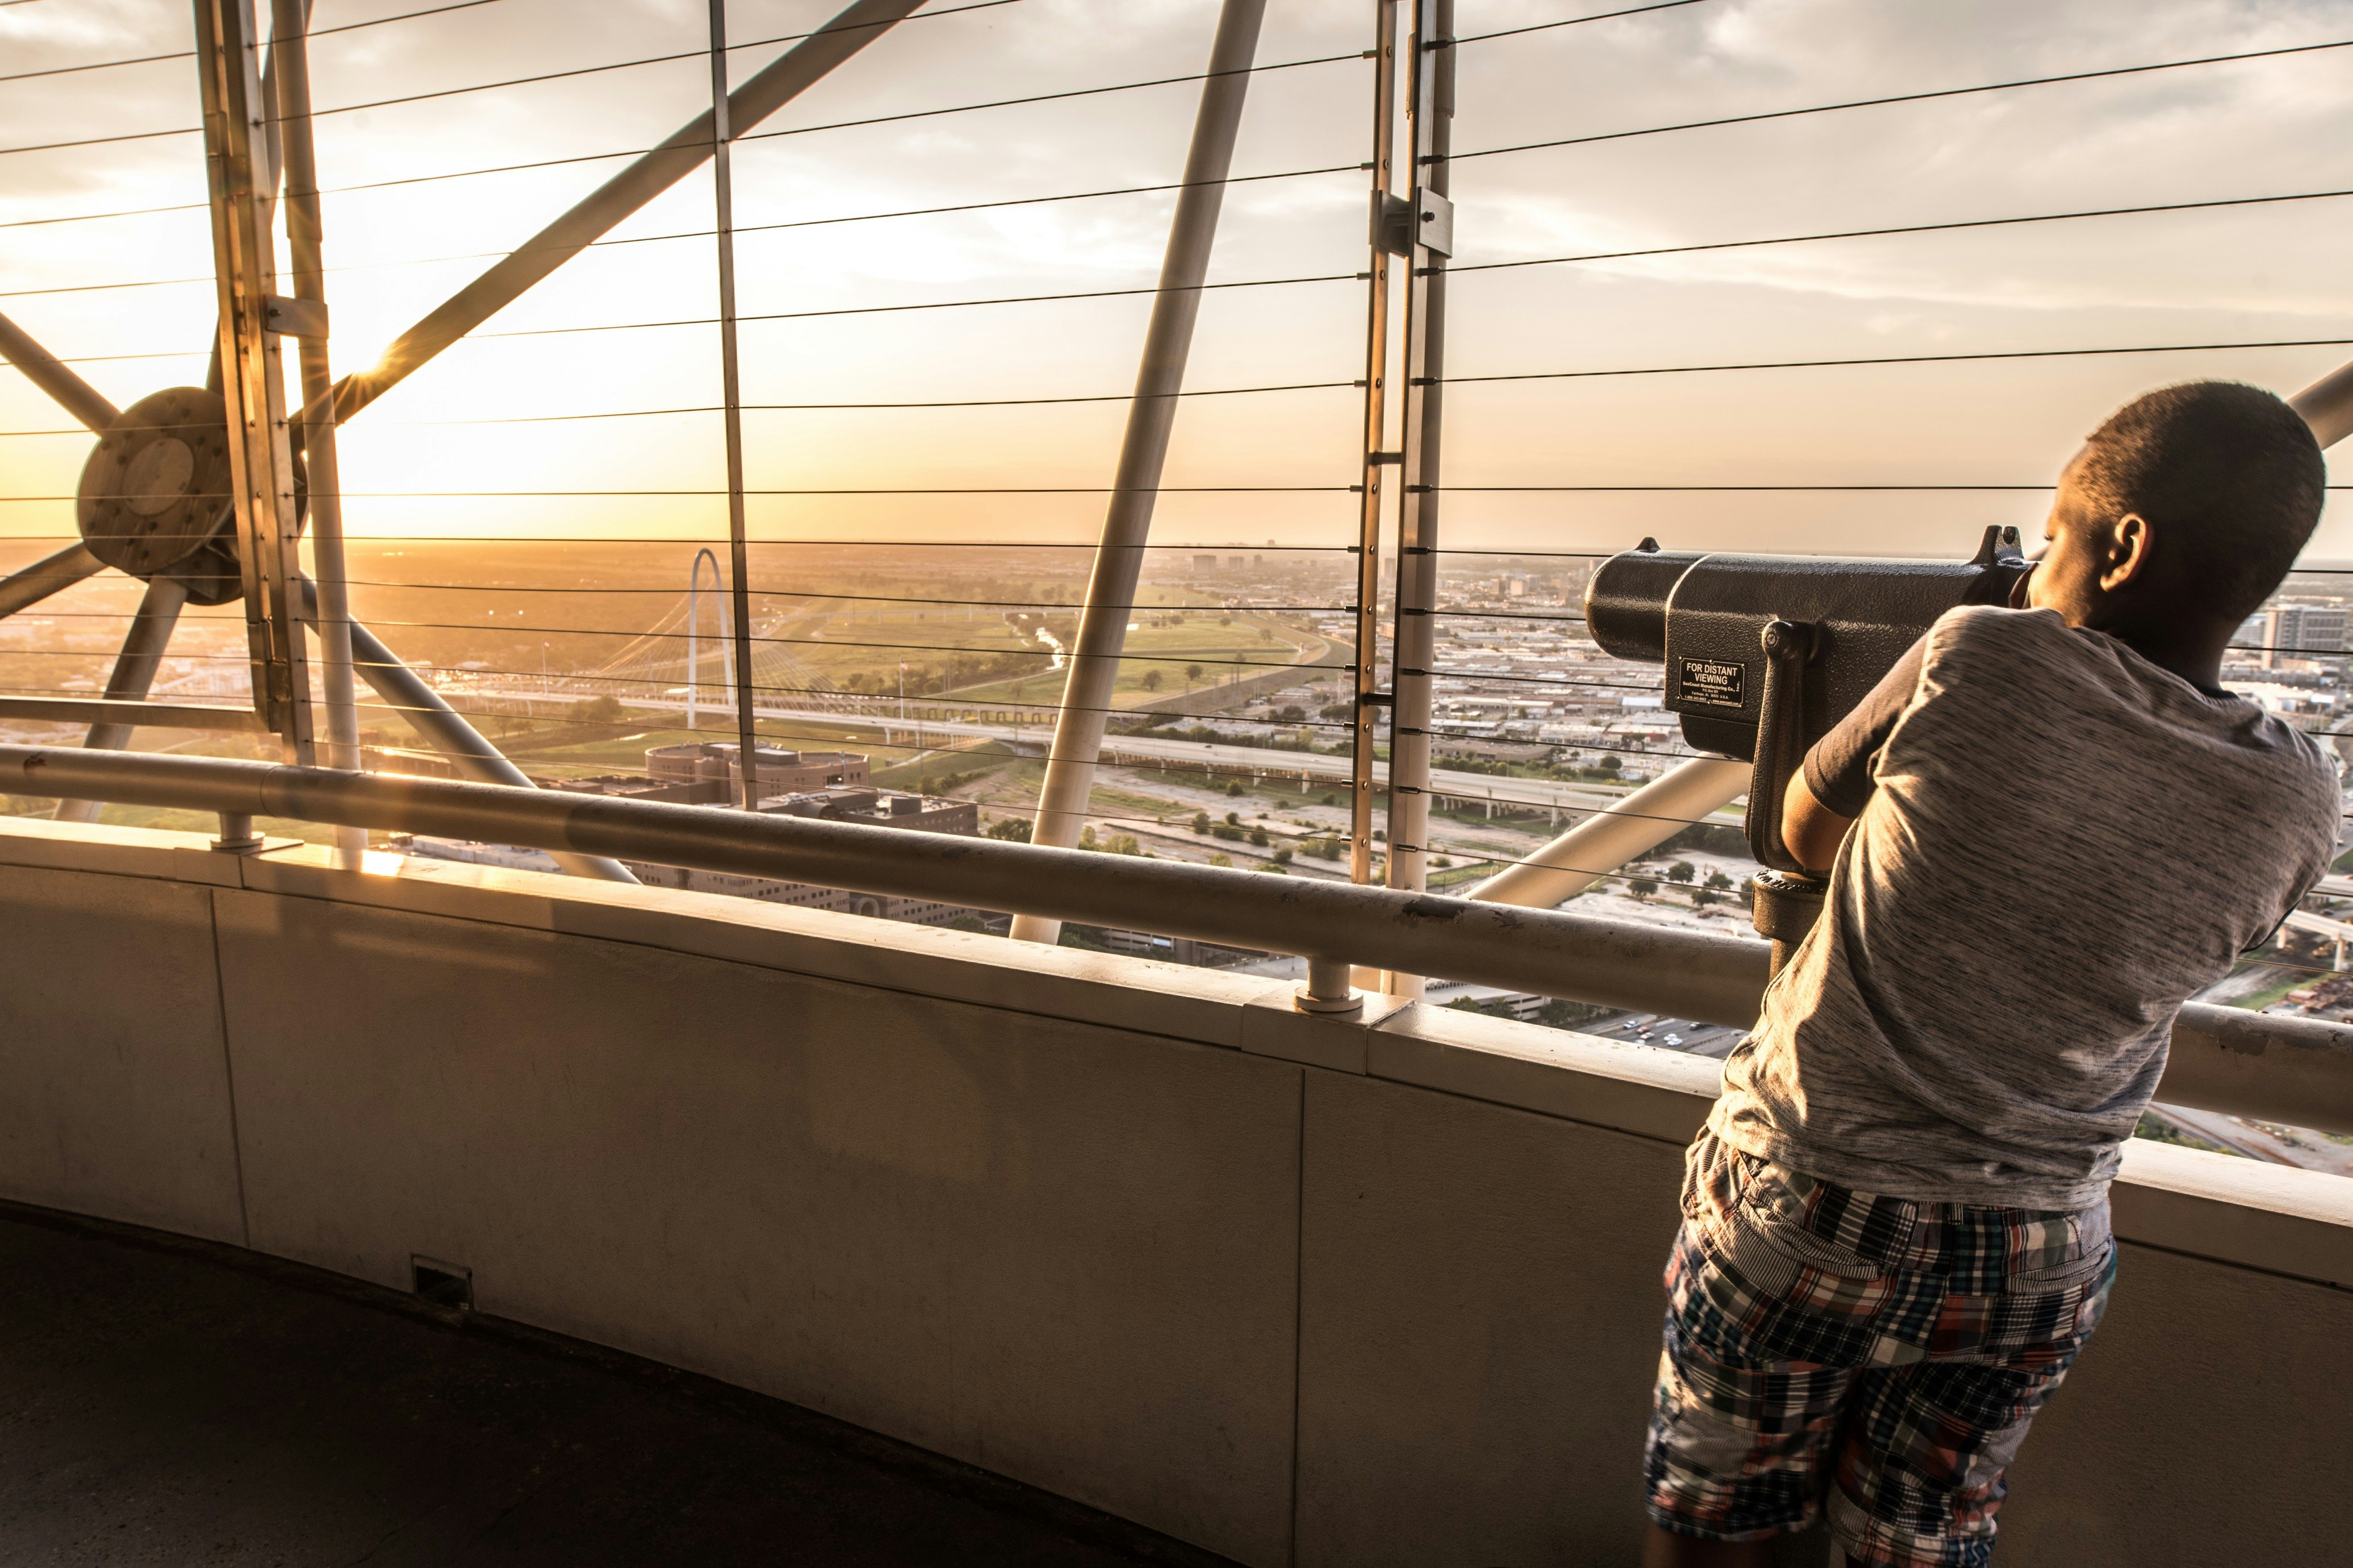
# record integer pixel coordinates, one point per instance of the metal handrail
(2287, 1069)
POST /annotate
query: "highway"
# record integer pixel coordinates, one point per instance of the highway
(1138, 751)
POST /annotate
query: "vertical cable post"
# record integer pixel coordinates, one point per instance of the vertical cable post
(722, 186)
(290, 73)
(1144, 448)
(252, 380)
(1365, 715)
(1430, 121)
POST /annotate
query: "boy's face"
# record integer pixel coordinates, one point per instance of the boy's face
(2086, 557)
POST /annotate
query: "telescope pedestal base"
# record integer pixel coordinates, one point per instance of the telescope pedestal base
(1784, 907)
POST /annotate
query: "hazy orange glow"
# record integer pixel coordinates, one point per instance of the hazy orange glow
(2234, 274)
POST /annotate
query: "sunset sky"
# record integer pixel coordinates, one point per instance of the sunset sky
(2268, 128)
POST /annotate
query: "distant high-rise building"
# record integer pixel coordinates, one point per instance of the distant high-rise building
(2303, 629)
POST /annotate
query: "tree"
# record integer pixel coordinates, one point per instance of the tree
(1718, 881)
(1282, 856)
(1224, 860)
(1325, 848)
(1235, 787)
(1274, 867)
(1682, 871)
(1641, 887)
(1258, 838)
(596, 709)
(1234, 818)
(1609, 764)
(1442, 863)
(1013, 830)
(1192, 675)
(1087, 839)
(1701, 898)
(1200, 822)
(1152, 681)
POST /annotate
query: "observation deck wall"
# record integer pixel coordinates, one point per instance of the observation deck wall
(1296, 1289)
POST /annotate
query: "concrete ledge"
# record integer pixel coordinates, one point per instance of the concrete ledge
(1273, 1024)
(1645, 1089)
(2291, 1222)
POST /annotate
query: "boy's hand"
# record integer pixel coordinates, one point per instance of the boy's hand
(1810, 830)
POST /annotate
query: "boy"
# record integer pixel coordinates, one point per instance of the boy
(1895, 1238)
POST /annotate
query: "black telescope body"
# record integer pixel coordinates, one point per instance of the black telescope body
(1704, 616)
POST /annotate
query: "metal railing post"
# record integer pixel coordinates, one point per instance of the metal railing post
(723, 183)
(289, 68)
(253, 385)
(1430, 120)
(1119, 560)
(1366, 714)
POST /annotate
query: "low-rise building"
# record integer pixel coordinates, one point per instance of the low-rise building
(879, 809)
(782, 771)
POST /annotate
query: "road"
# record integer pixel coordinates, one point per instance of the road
(1143, 751)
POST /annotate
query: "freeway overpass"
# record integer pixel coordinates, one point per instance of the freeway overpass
(1451, 787)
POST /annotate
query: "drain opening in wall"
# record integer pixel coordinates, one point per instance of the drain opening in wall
(447, 1285)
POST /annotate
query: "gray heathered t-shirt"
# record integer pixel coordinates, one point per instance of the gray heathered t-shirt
(2065, 843)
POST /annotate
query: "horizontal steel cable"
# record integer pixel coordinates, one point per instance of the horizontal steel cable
(704, 54)
(1569, 22)
(2009, 86)
(853, 407)
(610, 243)
(1947, 227)
(678, 540)
(310, 32)
(701, 54)
(1901, 359)
(690, 234)
(920, 305)
(826, 596)
(1473, 380)
(886, 490)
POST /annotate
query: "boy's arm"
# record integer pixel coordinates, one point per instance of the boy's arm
(1829, 792)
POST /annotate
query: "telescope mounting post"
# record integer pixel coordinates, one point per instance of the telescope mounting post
(1784, 900)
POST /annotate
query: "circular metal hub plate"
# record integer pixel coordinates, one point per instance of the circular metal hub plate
(157, 487)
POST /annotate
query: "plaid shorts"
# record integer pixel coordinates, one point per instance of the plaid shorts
(1900, 1349)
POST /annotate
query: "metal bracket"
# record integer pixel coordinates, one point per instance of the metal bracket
(1393, 223)
(1780, 738)
(294, 318)
(1434, 215)
(1427, 220)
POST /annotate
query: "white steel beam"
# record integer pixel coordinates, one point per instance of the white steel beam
(1618, 833)
(134, 674)
(45, 370)
(792, 73)
(1143, 451)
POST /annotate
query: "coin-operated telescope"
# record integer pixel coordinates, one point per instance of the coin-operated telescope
(1764, 654)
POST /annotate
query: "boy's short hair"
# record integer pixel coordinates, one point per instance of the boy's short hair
(2229, 476)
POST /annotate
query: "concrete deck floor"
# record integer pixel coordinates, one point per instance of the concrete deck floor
(170, 1403)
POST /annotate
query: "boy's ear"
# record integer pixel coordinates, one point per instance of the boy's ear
(2127, 551)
